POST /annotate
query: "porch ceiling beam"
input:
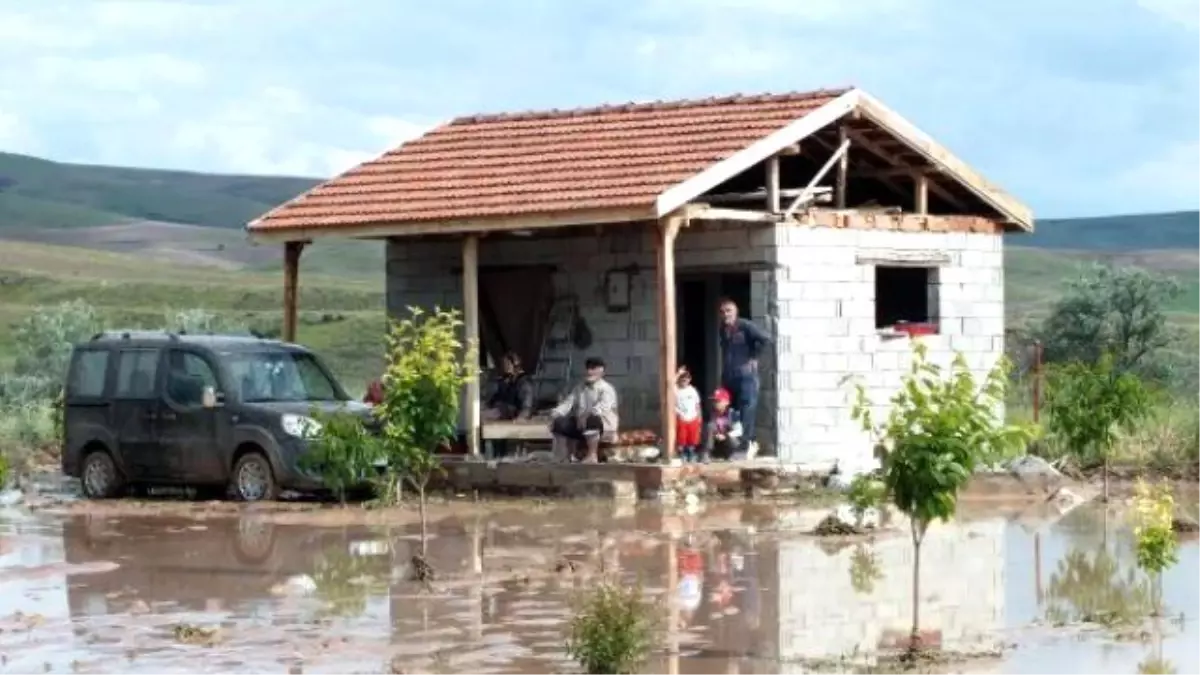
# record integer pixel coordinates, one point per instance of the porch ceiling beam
(483, 225)
(706, 212)
(895, 161)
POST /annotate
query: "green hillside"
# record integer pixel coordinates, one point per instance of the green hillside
(1177, 230)
(44, 188)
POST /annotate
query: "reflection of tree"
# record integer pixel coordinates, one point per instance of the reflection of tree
(864, 570)
(1154, 663)
(344, 582)
(1092, 588)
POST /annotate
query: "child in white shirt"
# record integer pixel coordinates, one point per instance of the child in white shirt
(688, 420)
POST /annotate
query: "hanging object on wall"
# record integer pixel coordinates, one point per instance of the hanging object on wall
(616, 289)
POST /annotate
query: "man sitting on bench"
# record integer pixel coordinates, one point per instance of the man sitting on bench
(588, 414)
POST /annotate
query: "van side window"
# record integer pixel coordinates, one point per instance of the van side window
(136, 370)
(89, 369)
(187, 376)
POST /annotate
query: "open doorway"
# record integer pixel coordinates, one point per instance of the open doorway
(697, 295)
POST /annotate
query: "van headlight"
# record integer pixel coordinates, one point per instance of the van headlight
(300, 426)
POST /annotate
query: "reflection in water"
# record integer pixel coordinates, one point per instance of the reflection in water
(734, 598)
(864, 570)
(1093, 587)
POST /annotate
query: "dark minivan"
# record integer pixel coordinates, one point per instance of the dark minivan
(204, 411)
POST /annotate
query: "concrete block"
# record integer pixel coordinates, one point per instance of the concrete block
(983, 326)
(617, 490)
(814, 309)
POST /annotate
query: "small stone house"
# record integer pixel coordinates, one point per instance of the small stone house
(837, 225)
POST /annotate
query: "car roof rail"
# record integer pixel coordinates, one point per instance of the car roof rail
(134, 335)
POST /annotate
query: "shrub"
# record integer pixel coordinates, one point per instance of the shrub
(613, 630)
(198, 321)
(940, 427)
(342, 452)
(866, 492)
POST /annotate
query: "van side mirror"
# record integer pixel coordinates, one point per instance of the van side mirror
(211, 398)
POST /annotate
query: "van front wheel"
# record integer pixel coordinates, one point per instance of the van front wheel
(100, 478)
(253, 480)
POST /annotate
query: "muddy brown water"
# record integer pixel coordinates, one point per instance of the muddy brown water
(747, 591)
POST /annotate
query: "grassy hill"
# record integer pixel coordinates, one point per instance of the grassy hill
(139, 242)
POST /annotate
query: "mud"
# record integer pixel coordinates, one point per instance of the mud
(167, 586)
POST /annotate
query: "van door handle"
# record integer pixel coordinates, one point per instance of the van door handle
(168, 415)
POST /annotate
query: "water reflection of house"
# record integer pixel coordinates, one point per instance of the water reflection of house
(823, 614)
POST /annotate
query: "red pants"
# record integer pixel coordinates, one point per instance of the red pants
(687, 433)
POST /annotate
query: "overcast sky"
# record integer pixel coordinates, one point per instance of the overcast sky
(1078, 107)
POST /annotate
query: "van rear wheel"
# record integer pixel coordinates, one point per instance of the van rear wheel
(253, 480)
(100, 477)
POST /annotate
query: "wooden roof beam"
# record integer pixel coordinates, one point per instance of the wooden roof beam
(862, 141)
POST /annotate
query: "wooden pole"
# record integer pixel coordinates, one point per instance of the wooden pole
(470, 284)
(773, 184)
(673, 618)
(922, 194)
(291, 283)
(842, 169)
(668, 229)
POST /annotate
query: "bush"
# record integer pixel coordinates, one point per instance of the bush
(199, 321)
(1157, 547)
(613, 630)
(343, 452)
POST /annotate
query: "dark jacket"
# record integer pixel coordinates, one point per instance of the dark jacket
(740, 344)
(514, 395)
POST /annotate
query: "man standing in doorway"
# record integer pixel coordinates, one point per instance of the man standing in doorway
(741, 344)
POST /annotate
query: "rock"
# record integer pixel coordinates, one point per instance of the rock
(1065, 500)
(832, 526)
(1031, 466)
(845, 513)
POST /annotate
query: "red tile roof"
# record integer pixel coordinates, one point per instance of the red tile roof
(544, 162)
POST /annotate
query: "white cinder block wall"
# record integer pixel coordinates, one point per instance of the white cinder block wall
(807, 290)
(822, 615)
(826, 328)
(422, 273)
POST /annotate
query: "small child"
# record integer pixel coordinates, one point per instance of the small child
(724, 429)
(687, 416)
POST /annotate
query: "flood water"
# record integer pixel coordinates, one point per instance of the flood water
(747, 591)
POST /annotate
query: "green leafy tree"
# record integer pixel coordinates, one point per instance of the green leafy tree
(866, 492)
(343, 452)
(43, 342)
(613, 630)
(1112, 310)
(1088, 403)
(427, 367)
(1157, 545)
(940, 427)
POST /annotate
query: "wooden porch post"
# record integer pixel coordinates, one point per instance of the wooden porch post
(921, 199)
(773, 184)
(470, 284)
(291, 278)
(668, 228)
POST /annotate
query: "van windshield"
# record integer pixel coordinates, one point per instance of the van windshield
(280, 375)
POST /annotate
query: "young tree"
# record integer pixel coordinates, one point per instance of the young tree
(939, 429)
(1111, 310)
(1087, 403)
(613, 630)
(427, 366)
(1157, 546)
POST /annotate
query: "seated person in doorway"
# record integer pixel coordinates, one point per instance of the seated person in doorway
(688, 419)
(724, 435)
(587, 415)
(513, 398)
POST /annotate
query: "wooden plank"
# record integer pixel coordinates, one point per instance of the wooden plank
(668, 229)
(470, 286)
(922, 194)
(291, 287)
(706, 212)
(839, 199)
(517, 430)
(533, 221)
(895, 161)
(773, 184)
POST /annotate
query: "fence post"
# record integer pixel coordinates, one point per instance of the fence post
(1037, 380)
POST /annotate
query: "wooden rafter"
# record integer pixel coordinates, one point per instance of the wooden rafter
(886, 182)
(861, 139)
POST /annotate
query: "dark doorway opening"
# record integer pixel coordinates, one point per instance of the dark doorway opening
(697, 297)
